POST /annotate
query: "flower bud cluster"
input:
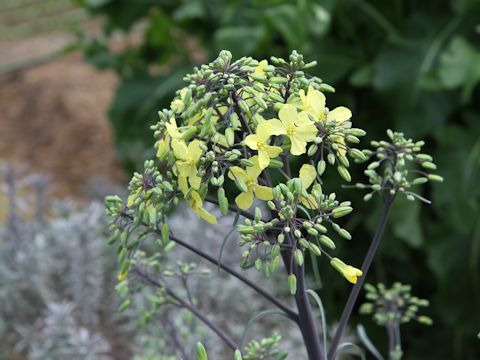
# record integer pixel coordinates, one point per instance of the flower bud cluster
(395, 305)
(398, 165)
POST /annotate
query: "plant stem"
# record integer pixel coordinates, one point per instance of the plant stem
(352, 298)
(307, 322)
(226, 338)
(391, 338)
(290, 313)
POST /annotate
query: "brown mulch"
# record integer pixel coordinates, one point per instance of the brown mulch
(53, 119)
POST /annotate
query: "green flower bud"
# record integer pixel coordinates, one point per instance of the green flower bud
(425, 320)
(304, 244)
(341, 211)
(344, 173)
(292, 284)
(345, 234)
(312, 150)
(327, 88)
(357, 155)
(230, 136)
(419, 181)
(242, 104)
(321, 167)
(325, 240)
(433, 177)
(222, 201)
(315, 249)
(275, 97)
(275, 164)
(298, 257)
(331, 159)
(429, 165)
(165, 230)
(321, 228)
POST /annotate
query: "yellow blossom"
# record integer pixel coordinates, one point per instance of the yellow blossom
(196, 203)
(259, 142)
(249, 178)
(307, 175)
(178, 105)
(122, 276)
(259, 69)
(172, 132)
(349, 272)
(297, 126)
(186, 165)
(313, 103)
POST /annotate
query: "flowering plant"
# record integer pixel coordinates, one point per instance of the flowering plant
(255, 138)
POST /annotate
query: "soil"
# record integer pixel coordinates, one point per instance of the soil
(53, 119)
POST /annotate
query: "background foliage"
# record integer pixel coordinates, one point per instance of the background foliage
(409, 65)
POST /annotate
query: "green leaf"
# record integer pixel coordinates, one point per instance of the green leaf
(362, 335)
(405, 220)
(201, 352)
(459, 66)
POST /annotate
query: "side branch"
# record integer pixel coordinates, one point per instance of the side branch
(355, 291)
(290, 313)
(226, 338)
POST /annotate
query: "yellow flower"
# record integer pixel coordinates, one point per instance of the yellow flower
(349, 272)
(313, 103)
(122, 276)
(297, 126)
(196, 203)
(259, 69)
(249, 178)
(172, 132)
(259, 142)
(178, 104)
(186, 165)
(308, 175)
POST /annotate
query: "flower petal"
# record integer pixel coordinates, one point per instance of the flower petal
(316, 100)
(179, 149)
(263, 159)
(287, 114)
(194, 150)
(237, 172)
(273, 151)
(205, 215)
(298, 145)
(339, 114)
(251, 141)
(307, 174)
(263, 192)
(276, 127)
(244, 200)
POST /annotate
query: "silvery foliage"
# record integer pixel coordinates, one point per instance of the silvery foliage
(56, 290)
(57, 297)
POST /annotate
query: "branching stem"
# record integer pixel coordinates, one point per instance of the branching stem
(184, 304)
(290, 313)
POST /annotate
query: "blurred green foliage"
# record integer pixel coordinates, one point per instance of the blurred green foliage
(413, 66)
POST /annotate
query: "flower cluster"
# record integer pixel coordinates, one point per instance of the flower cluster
(395, 305)
(230, 137)
(395, 167)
